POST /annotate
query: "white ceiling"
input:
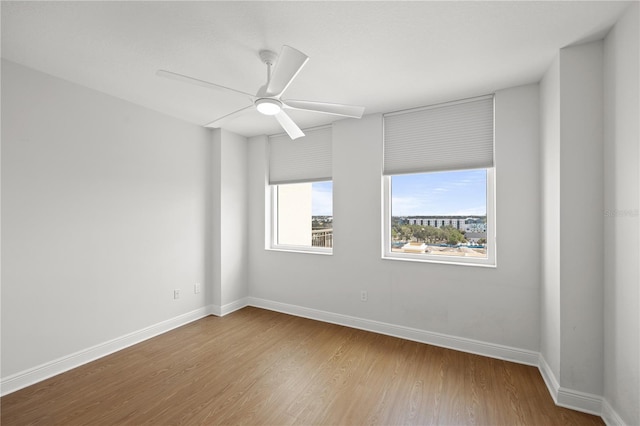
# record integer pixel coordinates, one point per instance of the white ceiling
(385, 56)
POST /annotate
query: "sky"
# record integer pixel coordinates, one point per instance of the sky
(458, 193)
(322, 199)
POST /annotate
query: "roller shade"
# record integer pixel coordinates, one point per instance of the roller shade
(452, 136)
(306, 159)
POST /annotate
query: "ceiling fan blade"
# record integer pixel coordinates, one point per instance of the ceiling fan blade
(219, 121)
(289, 63)
(185, 79)
(288, 125)
(353, 111)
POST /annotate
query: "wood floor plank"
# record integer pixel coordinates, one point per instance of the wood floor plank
(260, 367)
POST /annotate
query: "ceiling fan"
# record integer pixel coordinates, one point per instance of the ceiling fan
(268, 100)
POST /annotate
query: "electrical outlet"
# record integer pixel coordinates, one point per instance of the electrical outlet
(176, 294)
(364, 296)
(196, 288)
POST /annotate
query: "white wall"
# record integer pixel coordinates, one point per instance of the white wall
(572, 170)
(230, 219)
(622, 188)
(498, 305)
(550, 225)
(105, 209)
(581, 221)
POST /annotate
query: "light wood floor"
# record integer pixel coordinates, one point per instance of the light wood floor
(260, 367)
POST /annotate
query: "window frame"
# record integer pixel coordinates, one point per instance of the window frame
(489, 261)
(273, 237)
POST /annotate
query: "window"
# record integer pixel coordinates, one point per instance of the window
(439, 184)
(301, 192)
(303, 215)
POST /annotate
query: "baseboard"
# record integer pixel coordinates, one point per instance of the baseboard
(610, 416)
(44, 371)
(437, 339)
(223, 310)
(569, 398)
(580, 401)
(549, 378)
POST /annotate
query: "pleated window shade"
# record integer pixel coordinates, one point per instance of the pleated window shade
(306, 159)
(452, 136)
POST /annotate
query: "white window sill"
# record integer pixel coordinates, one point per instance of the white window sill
(303, 250)
(421, 258)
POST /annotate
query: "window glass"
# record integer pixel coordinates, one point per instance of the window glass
(440, 215)
(303, 215)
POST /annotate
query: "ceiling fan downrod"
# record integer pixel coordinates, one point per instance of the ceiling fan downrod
(269, 58)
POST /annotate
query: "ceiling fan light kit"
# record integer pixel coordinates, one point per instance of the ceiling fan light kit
(268, 99)
(268, 106)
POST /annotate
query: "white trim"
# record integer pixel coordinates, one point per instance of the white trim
(549, 378)
(610, 416)
(441, 259)
(569, 398)
(52, 368)
(302, 249)
(233, 306)
(507, 353)
(580, 401)
(223, 310)
(440, 105)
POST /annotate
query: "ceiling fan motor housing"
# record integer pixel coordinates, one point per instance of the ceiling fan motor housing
(268, 57)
